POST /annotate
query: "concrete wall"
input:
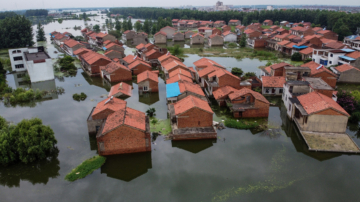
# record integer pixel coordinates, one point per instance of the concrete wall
(351, 76)
(277, 91)
(179, 37)
(326, 123)
(327, 77)
(169, 32)
(195, 118)
(116, 54)
(197, 40)
(40, 71)
(230, 38)
(216, 41)
(152, 85)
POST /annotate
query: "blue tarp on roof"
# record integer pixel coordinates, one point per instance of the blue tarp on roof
(299, 47)
(172, 90)
(348, 50)
(346, 58)
(104, 48)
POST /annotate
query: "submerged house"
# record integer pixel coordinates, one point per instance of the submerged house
(179, 90)
(196, 39)
(246, 103)
(188, 34)
(178, 36)
(170, 31)
(160, 37)
(216, 40)
(191, 118)
(92, 62)
(148, 81)
(272, 85)
(139, 66)
(222, 94)
(124, 131)
(115, 72)
(121, 90)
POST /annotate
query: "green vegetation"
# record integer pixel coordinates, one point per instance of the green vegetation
(36, 12)
(96, 28)
(240, 124)
(138, 26)
(160, 126)
(232, 45)
(176, 51)
(151, 112)
(26, 141)
(79, 97)
(40, 35)
(296, 57)
(16, 32)
(66, 65)
(85, 168)
(237, 71)
(20, 95)
(60, 20)
(249, 75)
(115, 33)
(243, 40)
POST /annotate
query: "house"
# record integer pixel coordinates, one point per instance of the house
(115, 47)
(128, 35)
(172, 66)
(35, 61)
(296, 73)
(225, 28)
(183, 72)
(222, 94)
(272, 85)
(192, 25)
(204, 63)
(215, 40)
(334, 45)
(178, 36)
(319, 85)
(126, 61)
(206, 24)
(102, 110)
(219, 23)
(216, 31)
(268, 23)
(59, 38)
(276, 69)
(138, 66)
(352, 58)
(329, 57)
(124, 131)
(101, 37)
(328, 34)
(353, 41)
(274, 27)
(181, 89)
(80, 51)
(115, 72)
(148, 81)
(188, 34)
(84, 31)
(177, 78)
(139, 38)
(284, 23)
(114, 54)
(301, 31)
(196, 39)
(164, 59)
(246, 103)
(92, 61)
(191, 118)
(306, 53)
(153, 55)
(229, 36)
(219, 78)
(121, 89)
(234, 22)
(160, 37)
(170, 31)
(320, 71)
(205, 31)
(71, 45)
(347, 73)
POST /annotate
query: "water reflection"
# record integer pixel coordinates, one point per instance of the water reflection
(149, 98)
(127, 167)
(96, 81)
(193, 146)
(37, 173)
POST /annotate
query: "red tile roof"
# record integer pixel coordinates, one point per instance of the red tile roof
(178, 77)
(173, 64)
(131, 58)
(84, 30)
(191, 87)
(148, 45)
(282, 36)
(233, 20)
(92, 57)
(106, 42)
(222, 92)
(355, 54)
(197, 34)
(180, 71)
(345, 67)
(317, 29)
(267, 20)
(114, 105)
(292, 36)
(122, 88)
(111, 45)
(112, 51)
(335, 45)
(307, 51)
(204, 28)
(138, 62)
(81, 50)
(140, 46)
(150, 52)
(326, 41)
(101, 35)
(167, 56)
(290, 45)
(227, 33)
(273, 81)
(59, 36)
(279, 65)
(221, 72)
(191, 102)
(147, 75)
(214, 35)
(129, 117)
(316, 102)
(283, 43)
(112, 67)
(204, 62)
(313, 66)
(128, 31)
(268, 69)
(206, 71)
(245, 91)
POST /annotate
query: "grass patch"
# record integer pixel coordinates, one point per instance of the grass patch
(265, 26)
(160, 126)
(240, 124)
(85, 168)
(347, 87)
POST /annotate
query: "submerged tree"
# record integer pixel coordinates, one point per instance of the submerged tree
(243, 40)
(96, 28)
(137, 26)
(40, 33)
(237, 71)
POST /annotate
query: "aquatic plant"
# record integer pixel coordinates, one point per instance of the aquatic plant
(240, 124)
(79, 97)
(85, 168)
(151, 112)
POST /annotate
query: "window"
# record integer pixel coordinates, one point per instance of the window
(19, 66)
(18, 58)
(280, 90)
(330, 62)
(145, 88)
(289, 107)
(331, 55)
(267, 90)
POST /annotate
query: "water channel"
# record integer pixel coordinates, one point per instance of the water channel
(241, 165)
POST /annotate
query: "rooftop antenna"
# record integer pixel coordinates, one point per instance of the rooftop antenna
(135, 57)
(107, 101)
(120, 87)
(319, 67)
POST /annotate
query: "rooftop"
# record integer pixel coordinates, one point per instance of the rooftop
(190, 102)
(123, 88)
(147, 75)
(245, 91)
(317, 83)
(113, 105)
(273, 81)
(222, 92)
(36, 56)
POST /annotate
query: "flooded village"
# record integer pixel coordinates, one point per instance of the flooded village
(187, 113)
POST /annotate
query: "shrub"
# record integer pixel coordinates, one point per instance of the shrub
(85, 168)
(347, 101)
(232, 123)
(296, 57)
(232, 45)
(237, 71)
(154, 121)
(257, 89)
(76, 97)
(268, 64)
(356, 95)
(355, 117)
(249, 75)
(151, 112)
(83, 96)
(307, 60)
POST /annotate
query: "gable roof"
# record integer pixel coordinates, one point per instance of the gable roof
(173, 64)
(279, 65)
(166, 56)
(130, 58)
(335, 45)
(180, 71)
(214, 35)
(121, 87)
(150, 52)
(245, 91)
(283, 43)
(81, 50)
(355, 54)
(223, 91)
(203, 62)
(191, 87)
(114, 105)
(147, 75)
(191, 102)
(113, 66)
(138, 62)
(140, 46)
(227, 33)
(178, 77)
(111, 45)
(306, 51)
(313, 66)
(221, 72)
(207, 71)
(315, 102)
(345, 67)
(91, 57)
(273, 81)
(71, 43)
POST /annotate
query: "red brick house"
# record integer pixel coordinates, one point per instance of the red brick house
(172, 66)
(126, 61)
(148, 81)
(216, 31)
(121, 90)
(191, 118)
(328, 34)
(99, 113)
(225, 28)
(205, 62)
(222, 93)
(124, 131)
(322, 72)
(276, 69)
(139, 66)
(153, 55)
(114, 54)
(246, 103)
(234, 22)
(273, 85)
(91, 62)
(115, 72)
(268, 22)
(80, 52)
(71, 45)
(185, 89)
(221, 77)
(115, 47)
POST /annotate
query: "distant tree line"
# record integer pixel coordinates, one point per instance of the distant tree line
(15, 32)
(7, 14)
(339, 22)
(36, 12)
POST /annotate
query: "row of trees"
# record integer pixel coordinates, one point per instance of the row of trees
(339, 22)
(16, 31)
(36, 12)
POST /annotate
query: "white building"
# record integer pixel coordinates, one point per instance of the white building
(35, 61)
(229, 36)
(329, 57)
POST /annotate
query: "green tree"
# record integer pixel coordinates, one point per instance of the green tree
(249, 75)
(237, 71)
(276, 23)
(84, 16)
(125, 25)
(245, 21)
(16, 32)
(154, 29)
(40, 36)
(117, 25)
(60, 20)
(96, 28)
(301, 25)
(243, 40)
(342, 29)
(129, 24)
(296, 57)
(176, 50)
(146, 26)
(137, 26)
(2, 70)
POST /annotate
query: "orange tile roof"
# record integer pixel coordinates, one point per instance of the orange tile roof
(355, 54)
(101, 35)
(180, 71)
(345, 67)
(221, 72)
(128, 31)
(313, 66)
(273, 81)
(191, 69)
(233, 20)
(292, 36)
(92, 57)
(150, 52)
(147, 75)
(81, 50)
(204, 28)
(248, 31)
(317, 29)
(268, 69)
(279, 65)
(282, 36)
(245, 91)
(114, 105)
(138, 62)
(290, 45)
(222, 92)
(59, 36)
(283, 43)
(71, 43)
(113, 66)
(297, 28)
(197, 34)
(107, 42)
(326, 41)
(227, 33)
(140, 46)
(335, 45)
(191, 87)
(166, 56)
(112, 51)
(208, 70)
(267, 21)
(173, 64)
(315, 102)
(191, 102)
(122, 88)
(323, 31)
(214, 35)
(148, 45)
(203, 62)
(111, 45)
(127, 116)
(178, 77)
(307, 51)
(131, 58)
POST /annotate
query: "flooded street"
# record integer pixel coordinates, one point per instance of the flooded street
(241, 165)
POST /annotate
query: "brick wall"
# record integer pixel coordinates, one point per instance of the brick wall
(195, 118)
(121, 75)
(329, 112)
(95, 68)
(150, 84)
(328, 93)
(279, 72)
(103, 114)
(116, 48)
(116, 54)
(228, 80)
(262, 110)
(194, 136)
(327, 77)
(259, 43)
(331, 35)
(140, 68)
(124, 139)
